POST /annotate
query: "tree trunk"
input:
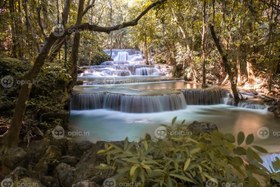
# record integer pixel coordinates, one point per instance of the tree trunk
(203, 41)
(226, 65)
(76, 45)
(12, 137)
(238, 67)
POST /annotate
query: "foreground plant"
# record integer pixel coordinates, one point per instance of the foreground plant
(183, 159)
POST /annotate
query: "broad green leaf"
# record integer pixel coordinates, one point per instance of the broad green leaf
(237, 161)
(133, 169)
(187, 163)
(195, 150)
(240, 138)
(252, 155)
(229, 137)
(276, 164)
(249, 139)
(260, 149)
(182, 177)
(239, 151)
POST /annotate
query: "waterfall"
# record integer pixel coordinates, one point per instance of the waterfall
(147, 71)
(121, 56)
(268, 160)
(129, 103)
(205, 96)
(158, 103)
(87, 101)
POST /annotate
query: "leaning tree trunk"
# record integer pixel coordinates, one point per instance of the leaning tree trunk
(76, 45)
(11, 139)
(203, 39)
(227, 65)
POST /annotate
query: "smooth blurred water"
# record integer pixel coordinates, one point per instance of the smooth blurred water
(111, 125)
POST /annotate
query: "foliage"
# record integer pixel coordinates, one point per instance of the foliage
(16, 69)
(182, 159)
(49, 92)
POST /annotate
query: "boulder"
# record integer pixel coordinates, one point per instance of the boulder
(86, 168)
(14, 157)
(64, 173)
(85, 183)
(27, 182)
(202, 127)
(49, 161)
(78, 148)
(70, 160)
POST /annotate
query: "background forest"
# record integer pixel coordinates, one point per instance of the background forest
(234, 44)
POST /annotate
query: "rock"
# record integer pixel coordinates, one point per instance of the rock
(49, 161)
(14, 157)
(28, 182)
(64, 173)
(85, 183)
(202, 127)
(70, 160)
(20, 173)
(36, 150)
(49, 181)
(275, 109)
(78, 148)
(86, 168)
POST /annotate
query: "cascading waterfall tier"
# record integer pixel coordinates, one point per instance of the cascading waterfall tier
(205, 96)
(128, 103)
(146, 71)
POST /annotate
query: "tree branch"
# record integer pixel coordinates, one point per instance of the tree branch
(276, 7)
(93, 27)
(89, 6)
(40, 22)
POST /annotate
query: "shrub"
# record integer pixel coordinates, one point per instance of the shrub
(188, 160)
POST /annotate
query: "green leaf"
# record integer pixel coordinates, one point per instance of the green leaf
(252, 155)
(174, 120)
(237, 161)
(276, 164)
(195, 150)
(210, 178)
(240, 138)
(182, 177)
(133, 169)
(145, 145)
(229, 137)
(187, 163)
(239, 151)
(250, 139)
(260, 149)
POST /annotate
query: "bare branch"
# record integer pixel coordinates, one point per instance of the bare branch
(89, 6)
(275, 6)
(40, 22)
(93, 27)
